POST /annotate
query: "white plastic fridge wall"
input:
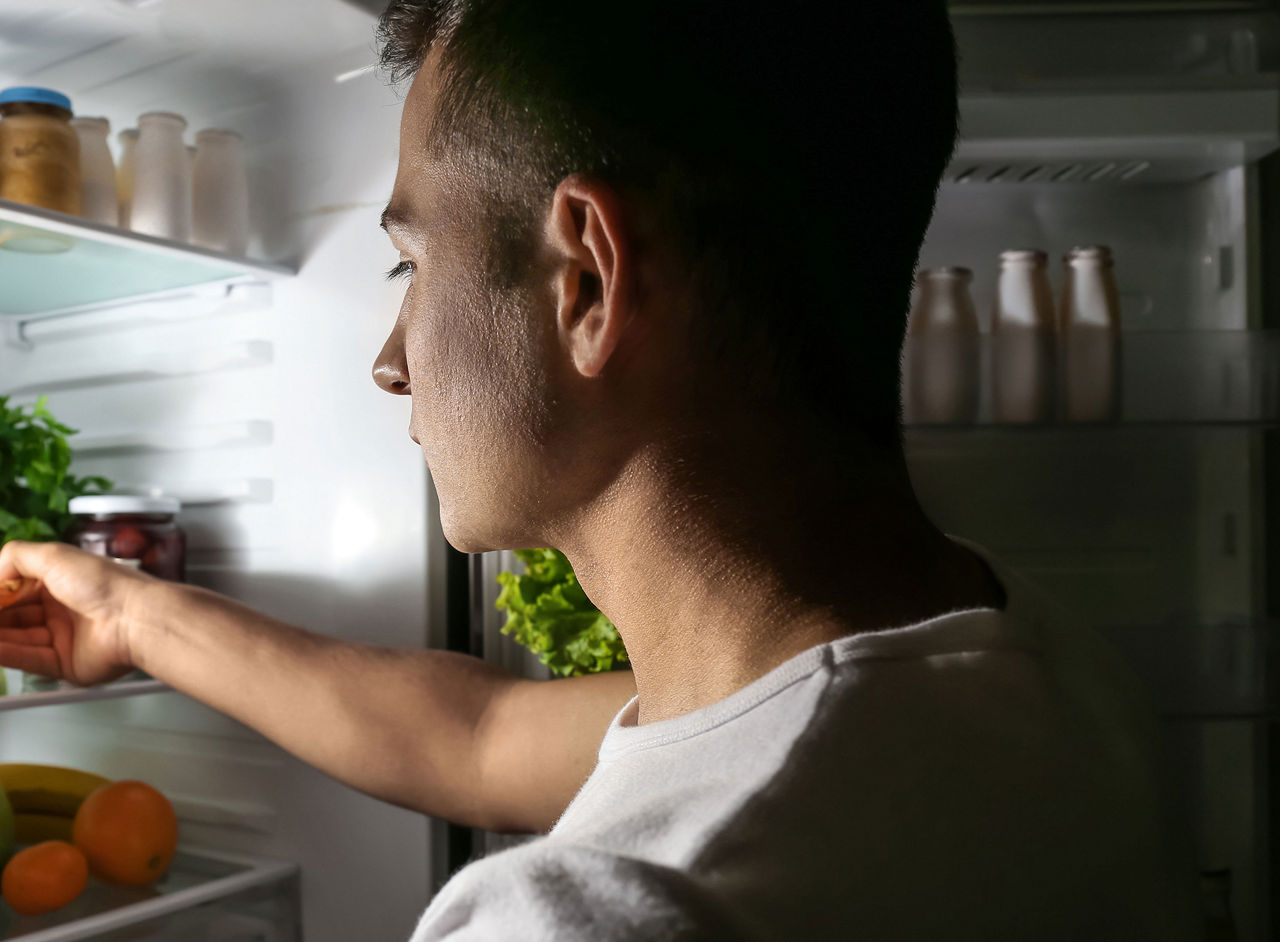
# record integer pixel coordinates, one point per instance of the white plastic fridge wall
(324, 513)
(1128, 526)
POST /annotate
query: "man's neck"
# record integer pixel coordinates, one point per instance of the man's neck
(715, 571)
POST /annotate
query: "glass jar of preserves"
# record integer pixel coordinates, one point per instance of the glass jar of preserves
(39, 150)
(134, 531)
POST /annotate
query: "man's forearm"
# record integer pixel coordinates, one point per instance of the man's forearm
(398, 725)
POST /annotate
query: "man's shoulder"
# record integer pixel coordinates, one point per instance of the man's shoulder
(556, 890)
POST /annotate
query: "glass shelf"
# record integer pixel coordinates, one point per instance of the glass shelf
(52, 263)
(73, 694)
(196, 878)
(1160, 379)
(1206, 669)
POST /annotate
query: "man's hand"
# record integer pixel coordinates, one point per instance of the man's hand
(74, 624)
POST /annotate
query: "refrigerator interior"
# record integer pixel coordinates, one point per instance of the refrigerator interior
(253, 403)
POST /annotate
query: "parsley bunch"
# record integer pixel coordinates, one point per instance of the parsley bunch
(35, 485)
(549, 614)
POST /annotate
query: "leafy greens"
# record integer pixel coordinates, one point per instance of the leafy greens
(549, 614)
(35, 484)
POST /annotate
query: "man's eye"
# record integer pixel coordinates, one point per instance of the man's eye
(403, 270)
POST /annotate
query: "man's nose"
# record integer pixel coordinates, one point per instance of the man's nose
(390, 369)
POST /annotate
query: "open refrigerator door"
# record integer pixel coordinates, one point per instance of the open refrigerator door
(1150, 521)
(240, 386)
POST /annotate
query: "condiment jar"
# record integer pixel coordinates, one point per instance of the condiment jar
(39, 150)
(941, 350)
(133, 531)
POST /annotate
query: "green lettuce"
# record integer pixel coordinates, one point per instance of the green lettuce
(35, 483)
(549, 614)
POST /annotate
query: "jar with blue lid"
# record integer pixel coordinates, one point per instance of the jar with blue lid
(39, 150)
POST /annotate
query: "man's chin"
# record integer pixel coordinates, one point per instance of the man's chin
(464, 536)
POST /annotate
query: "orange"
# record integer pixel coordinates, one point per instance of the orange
(44, 877)
(128, 832)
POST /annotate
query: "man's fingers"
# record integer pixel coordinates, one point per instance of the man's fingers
(30, 658)
(22, 615)
(20, 558)
(18, 589)
(26, 636)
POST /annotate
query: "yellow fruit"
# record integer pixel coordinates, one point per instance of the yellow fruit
(33, 828)
(47, 789)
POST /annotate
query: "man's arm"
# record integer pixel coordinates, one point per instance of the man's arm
(435, 731)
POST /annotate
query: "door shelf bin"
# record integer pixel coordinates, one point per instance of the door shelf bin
(206, 895)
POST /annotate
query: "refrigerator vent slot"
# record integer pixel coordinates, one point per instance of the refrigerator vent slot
(1134, 169)
(1105, 171)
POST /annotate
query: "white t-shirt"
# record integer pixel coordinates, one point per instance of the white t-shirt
(983, 775)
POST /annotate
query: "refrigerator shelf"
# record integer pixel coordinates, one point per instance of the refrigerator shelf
(71, 694)
(1159, 379)
(52, 263)
(195, 878)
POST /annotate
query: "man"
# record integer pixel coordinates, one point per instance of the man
(657, 263)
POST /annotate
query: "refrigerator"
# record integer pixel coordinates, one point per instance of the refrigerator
(242, 386)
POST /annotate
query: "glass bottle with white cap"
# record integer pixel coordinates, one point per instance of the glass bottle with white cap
(941, 350)
(98, 199)
(1022, 339)
(160, 204)
(220, 193)
(1089, 333)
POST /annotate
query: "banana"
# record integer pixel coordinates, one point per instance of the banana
(47, 789)
(35, 828)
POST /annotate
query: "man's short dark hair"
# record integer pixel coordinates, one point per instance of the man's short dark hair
(789, 154)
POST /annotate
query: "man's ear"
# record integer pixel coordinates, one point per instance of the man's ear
(592, 275)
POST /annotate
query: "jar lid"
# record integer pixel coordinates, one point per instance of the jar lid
(123, 504)
(101, 124)
(1025, 255)
(29, 94)
(163, 117)
(1090, 253)
(946, 271)
(216, 133)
